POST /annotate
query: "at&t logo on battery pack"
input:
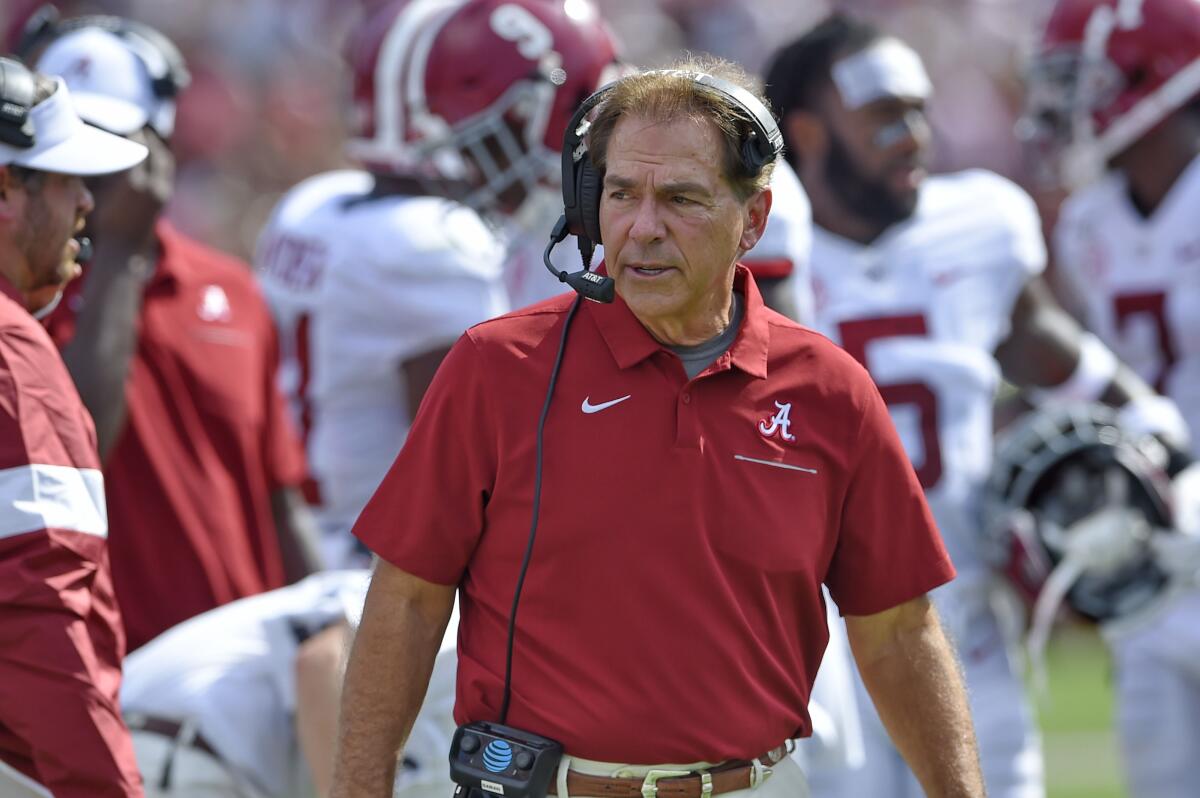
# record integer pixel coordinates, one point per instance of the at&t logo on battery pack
(497, 756)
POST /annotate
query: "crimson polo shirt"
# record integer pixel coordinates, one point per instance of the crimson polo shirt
(206, 440)
(60, 632)
(672, 609)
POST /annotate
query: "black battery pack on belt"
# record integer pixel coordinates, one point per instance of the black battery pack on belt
(494, 759)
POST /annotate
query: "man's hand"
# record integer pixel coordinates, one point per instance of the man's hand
(914, 680)
(129, 203)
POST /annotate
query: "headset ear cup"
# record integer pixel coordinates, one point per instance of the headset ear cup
(589, 184)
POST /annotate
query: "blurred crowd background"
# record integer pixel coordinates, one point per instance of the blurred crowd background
(267, 104)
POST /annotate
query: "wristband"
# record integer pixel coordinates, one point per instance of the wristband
(1093, 374)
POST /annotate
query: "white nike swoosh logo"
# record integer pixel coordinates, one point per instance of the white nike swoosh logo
(588, 407)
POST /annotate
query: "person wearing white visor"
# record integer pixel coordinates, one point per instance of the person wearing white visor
(61, 639)
(45, 151)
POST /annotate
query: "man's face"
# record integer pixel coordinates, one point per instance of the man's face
(55, 207)
(877, 155)
(671, 223)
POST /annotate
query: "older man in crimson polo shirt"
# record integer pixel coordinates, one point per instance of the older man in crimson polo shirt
(60, 633)
(174, 353)
(708, 465)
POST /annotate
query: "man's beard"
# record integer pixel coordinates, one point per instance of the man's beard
(865, 197)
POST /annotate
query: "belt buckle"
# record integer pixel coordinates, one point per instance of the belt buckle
(650, 782)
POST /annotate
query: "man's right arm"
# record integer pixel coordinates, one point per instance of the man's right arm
(391, 660)
(105, 339)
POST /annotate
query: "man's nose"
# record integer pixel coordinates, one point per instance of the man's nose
(87, 203)
(647, 221)
(908, 133)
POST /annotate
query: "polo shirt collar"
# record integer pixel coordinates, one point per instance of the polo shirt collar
(170, 267)
(630, 342)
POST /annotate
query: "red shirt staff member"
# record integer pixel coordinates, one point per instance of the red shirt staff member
(60, 633)
(672, 610)
(174, 352)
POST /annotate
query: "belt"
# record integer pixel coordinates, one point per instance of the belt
(171, 729)
(738, 774)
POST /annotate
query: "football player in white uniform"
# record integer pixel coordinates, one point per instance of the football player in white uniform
(1114, 99)
(933, 283)
(242, 701)
(371, 276)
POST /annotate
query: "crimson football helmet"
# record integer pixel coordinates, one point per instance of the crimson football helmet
(475, 91)
(1106, 73)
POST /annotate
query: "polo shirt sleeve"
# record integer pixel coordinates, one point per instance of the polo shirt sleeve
(889, 550)
(283, 450)
(60, 645)
(428, 513)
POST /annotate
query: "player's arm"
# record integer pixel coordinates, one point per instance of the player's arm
(1048, 351)
(910, 671)
(391, 660)
(319, 673)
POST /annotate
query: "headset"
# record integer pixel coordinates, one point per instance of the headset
(582, 182)
(164, 63)
(17, 91)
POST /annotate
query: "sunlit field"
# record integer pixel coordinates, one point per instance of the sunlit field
(1077, 719)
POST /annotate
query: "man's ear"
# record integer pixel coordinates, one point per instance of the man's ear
(755, 221)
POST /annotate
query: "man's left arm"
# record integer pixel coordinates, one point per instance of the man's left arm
(914, 680)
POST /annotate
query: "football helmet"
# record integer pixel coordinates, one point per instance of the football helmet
(475, 91)
(1107, 72)
(1076, 510)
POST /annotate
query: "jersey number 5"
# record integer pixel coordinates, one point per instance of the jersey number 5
(855, 337)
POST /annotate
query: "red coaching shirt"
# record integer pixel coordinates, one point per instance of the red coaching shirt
(206, 441)
(60, 633)
(672, 611)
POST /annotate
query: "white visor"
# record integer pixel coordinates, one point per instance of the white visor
(64, 144)
(110, 81)
(888, 68)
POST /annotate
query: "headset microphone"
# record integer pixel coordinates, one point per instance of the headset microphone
(586, 283)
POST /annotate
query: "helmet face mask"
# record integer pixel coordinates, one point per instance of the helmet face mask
(475, 92)
(1070, 490)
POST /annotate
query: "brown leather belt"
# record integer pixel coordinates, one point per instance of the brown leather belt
(171, 729)
(723, 778)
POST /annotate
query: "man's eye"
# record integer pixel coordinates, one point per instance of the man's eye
(680, 200)
(618, 194)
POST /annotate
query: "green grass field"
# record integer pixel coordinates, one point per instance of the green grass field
(1077, 719)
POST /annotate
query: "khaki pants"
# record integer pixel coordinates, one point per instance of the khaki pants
(786, 779)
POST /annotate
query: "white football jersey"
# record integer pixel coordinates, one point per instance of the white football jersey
(231, 672)
(358, 285)
(1136, 281)
(786, 246)
(924, 307)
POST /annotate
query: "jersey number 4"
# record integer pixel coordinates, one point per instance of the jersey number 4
(855, 337)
